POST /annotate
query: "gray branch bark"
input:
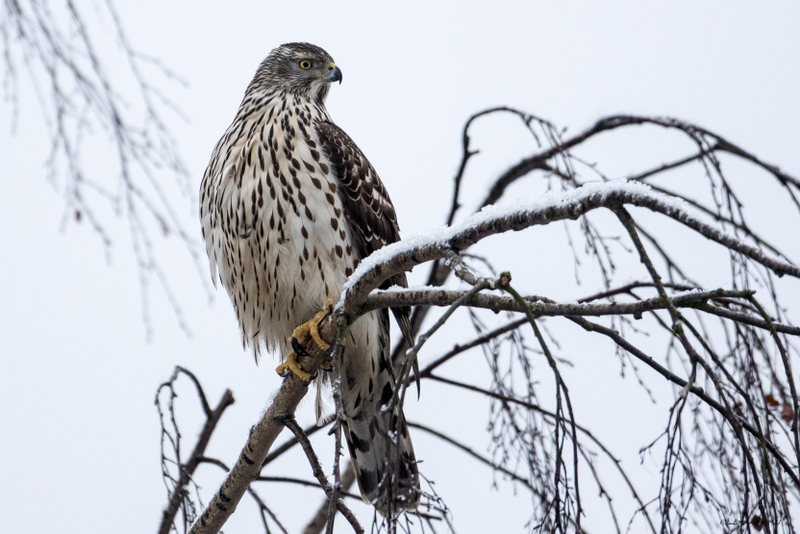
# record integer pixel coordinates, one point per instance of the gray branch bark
(402, 256)
(262, 436)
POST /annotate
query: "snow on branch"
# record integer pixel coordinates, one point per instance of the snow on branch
(525, 212)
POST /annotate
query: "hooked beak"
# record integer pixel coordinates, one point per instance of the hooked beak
(335, 75)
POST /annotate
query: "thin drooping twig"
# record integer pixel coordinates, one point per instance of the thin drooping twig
(336, 381)
(402, 378)
(84, 100)
(561, 386)
(458, 349)
(280, 450)
(320, 519)
(307, 483)
(473, 453)
(316, 468)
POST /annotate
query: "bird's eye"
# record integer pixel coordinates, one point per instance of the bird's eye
(305, 64)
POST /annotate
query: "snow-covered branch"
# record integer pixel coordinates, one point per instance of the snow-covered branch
(434, 245)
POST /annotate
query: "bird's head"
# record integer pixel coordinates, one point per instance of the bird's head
(299, 68)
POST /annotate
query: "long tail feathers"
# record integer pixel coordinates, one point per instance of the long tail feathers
(384, 462)
(379, 442)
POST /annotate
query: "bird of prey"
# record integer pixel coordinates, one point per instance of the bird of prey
(289, 206)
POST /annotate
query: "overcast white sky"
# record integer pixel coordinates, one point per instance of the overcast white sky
(79, 447)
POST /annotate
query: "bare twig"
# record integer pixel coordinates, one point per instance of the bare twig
(316, 468)
(179, 491)
(320, 519)
(83, 101)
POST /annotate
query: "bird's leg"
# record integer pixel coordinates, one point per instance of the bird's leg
(299, 338)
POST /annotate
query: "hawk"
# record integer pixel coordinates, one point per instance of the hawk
(289, 206)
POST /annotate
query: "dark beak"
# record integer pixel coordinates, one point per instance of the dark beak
(335, 75)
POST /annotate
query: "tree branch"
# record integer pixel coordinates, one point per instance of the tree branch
(543, 307)
(316, 468)
(187, 469)
(404, 255)
(262, 436)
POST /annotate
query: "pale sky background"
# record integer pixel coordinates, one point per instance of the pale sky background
(79, 435)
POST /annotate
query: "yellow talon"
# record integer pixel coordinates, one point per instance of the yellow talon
(314, 328)
(291, 364)
(311, 328)
(300, 336)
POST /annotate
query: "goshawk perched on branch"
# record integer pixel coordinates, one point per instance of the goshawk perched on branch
(289, 206)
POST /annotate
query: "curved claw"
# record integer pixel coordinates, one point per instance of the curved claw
(291, 364)
(298, 348)
(311, 328)
(298, 339)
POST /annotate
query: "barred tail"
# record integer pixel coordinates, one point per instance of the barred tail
(386, 468)
(379, 442)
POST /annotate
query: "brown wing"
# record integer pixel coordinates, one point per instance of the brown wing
(367, 206)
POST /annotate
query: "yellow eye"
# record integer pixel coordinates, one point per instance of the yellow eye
(305, 64)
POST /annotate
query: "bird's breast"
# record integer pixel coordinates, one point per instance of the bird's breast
(279, 235)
